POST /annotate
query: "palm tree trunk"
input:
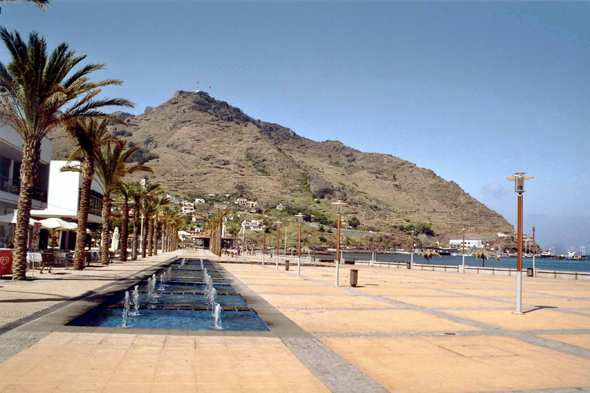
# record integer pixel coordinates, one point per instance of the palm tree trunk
(155, 243)
(124, 231)
(174, 238)
(135, 244)
(150, 236)
(144, 238)
(104, 238)
(87, 176)
(28, 175)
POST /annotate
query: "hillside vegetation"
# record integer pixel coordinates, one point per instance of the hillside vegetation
(199, 145)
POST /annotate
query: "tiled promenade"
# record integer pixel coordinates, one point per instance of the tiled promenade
(399, 330)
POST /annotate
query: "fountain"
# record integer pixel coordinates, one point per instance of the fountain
(211, 298)
(200, 298)
(152, 295)
(126, 305)
(202, 267)
(161, 287)
(135, 298)
(217, 317)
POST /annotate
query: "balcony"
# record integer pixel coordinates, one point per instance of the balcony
(12, 186)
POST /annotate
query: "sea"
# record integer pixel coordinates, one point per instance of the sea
(508, 262)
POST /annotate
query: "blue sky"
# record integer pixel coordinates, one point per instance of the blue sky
(474, 91)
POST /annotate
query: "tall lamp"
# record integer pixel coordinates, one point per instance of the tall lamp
(299, 220)
(413, 245)
(534, 251)
(339, 213)
(263, 244)
(463, 249)
(518, 179)
(278, 224)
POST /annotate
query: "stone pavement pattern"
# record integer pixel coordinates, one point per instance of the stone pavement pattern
(399, 330)
(443, 332)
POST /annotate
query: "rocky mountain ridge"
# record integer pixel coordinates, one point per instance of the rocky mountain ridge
(197, 145)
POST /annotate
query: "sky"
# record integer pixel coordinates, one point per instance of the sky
(474, 91)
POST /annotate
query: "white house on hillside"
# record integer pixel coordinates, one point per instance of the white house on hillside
(468, 243)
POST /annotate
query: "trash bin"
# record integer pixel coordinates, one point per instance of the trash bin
(286, 264)
(409, 265)
(530, 272)
(354, 277)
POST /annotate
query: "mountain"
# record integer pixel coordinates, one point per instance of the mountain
(198, 145)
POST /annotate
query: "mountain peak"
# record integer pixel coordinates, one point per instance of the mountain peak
(197, 144)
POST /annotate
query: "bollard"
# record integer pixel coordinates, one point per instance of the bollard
(286, 264)
(530, 272)
(354, 277)
(409, 265)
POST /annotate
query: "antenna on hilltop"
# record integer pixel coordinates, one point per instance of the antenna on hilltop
(196, 91)
(209, 90)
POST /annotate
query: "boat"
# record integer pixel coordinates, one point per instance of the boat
(571, 254)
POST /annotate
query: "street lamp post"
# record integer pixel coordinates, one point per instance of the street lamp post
(278, 223)
(339, 212)
(413, 244)
(534, 251)
(463, 250)
(372, 250)
(518, 179)
(263, 244)
(299, 219)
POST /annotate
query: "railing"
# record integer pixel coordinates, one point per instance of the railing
(12, 186)
(478, 270)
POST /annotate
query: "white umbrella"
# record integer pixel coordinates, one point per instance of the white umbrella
(58, 224)
(11, 219)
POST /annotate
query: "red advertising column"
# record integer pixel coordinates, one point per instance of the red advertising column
(5, 262)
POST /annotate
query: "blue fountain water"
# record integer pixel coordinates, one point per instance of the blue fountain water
(182, 296)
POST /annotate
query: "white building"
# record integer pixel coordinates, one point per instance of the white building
(188, 209)
(11, 156)
(199, 201)
(64, 196)
(253, 225)
(468, 243)
(64, 200)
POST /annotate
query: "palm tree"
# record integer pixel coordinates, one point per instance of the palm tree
(111, 167)
(123, 190)
(40, 3)
(215, 225)
(484, 254)
(428, 254)
(138, 194)
(149, 194)
(90, 136)
(40, 92)
(160, 202)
